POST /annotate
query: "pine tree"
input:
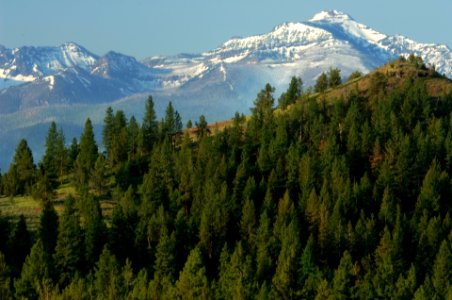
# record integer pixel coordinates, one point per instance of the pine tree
(193, 283)
(442, 271)
(149, 127)
(133, 133)
(68, 255)
(201, 127)
(140, 287)
(48, 231)
(334, 77)
(19, 246)
(5, 281)
(108, 130)
(94, 229)
(22, 172)
(284, 279)
(214, 220)
(264, 261)
(235, 278)
(107, 279)
(262, 120)
(343, 278)
(73, 152)
(97, 180)
(321, 83)
(169, 125)
(87, 156)
(50, 161)
(293, 92)
(35, 276)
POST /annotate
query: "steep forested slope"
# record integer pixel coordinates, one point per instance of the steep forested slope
(344, 193)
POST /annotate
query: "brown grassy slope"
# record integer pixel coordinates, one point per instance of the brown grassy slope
(395, 75)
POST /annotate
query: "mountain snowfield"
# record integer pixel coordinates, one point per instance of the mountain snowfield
(69, 83)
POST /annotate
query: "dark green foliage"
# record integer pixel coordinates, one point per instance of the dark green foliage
(108, 129)
(19, 246)
(93, 228)
(87, 156)
(5, 279)
(340, 199)
(22, 172)
(334, 77)
(98, 181)
(193, 282)
(293, 92)
(73, 152)
(107, 277)
(54, 162)
(201, 127)
(34, 280)
(68, 255)
(48, 230)
(321, 83)
(49, 161)
(149, 127)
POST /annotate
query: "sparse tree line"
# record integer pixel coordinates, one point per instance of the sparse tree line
(343, 201)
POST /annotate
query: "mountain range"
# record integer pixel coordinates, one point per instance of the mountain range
(69, 83)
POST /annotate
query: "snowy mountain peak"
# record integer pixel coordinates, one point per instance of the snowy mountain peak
(341, 23)
(330, 15)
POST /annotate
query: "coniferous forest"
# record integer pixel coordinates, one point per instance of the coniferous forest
(338, 192)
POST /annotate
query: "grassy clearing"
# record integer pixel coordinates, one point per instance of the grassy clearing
(14, 207)
(21, 205)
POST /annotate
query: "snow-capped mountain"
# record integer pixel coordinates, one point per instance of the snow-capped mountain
(39, 84)
(330, 38)
(36, 76)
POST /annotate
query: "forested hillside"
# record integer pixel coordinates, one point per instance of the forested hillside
(338, 192)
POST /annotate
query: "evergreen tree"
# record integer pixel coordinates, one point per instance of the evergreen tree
(201, 127)
(149, 126)
(5, 281)
(19, 246)
(48, 231)
(34, 281)
(193, 283)
(284, 279)
(235, 278)
(22, 172)
(108, 130)
(97, 180)
(292, 94)
(169, 124)
(262, 120)
(87, 156)
(107, 279)
(321, 83)
(334, 77)
(343, 278)
(442, 271)
(50, 161)
(133, 133)
(68, 255)
(94, 229)
(73, 152)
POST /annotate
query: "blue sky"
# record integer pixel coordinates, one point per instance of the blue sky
(149, 27)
